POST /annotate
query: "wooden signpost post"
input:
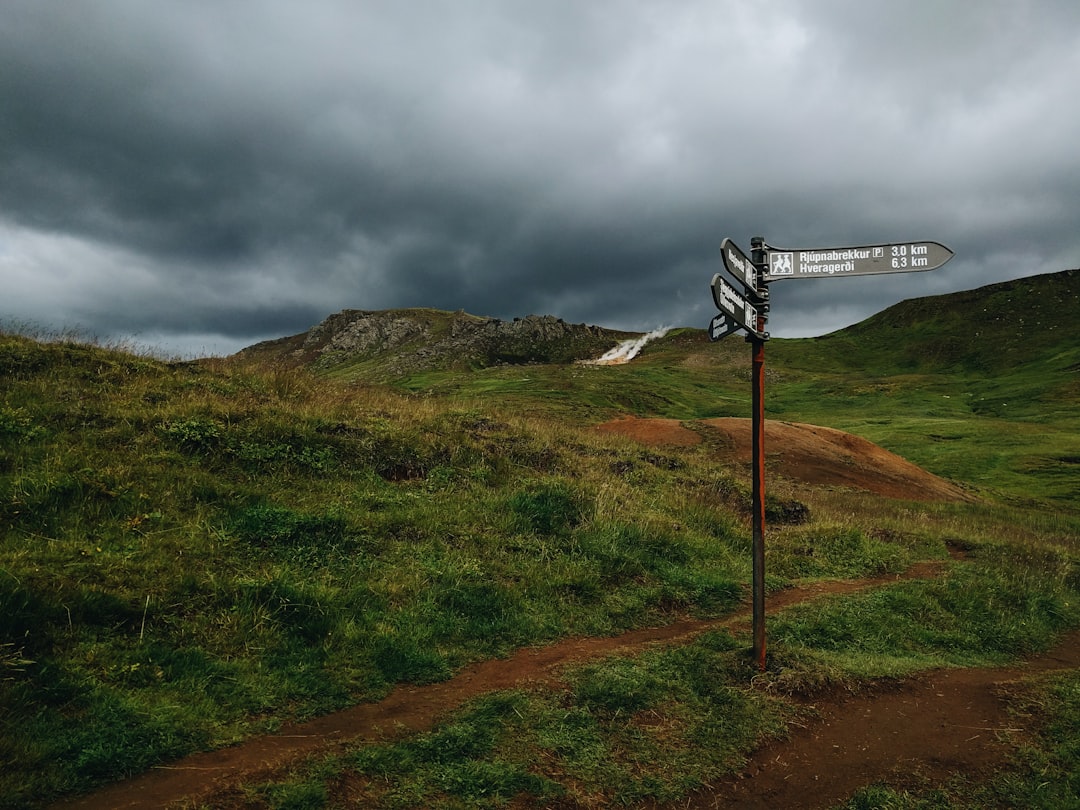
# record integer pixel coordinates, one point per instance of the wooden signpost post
(748, 310)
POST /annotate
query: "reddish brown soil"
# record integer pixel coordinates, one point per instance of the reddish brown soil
(915, 733)
(924, 728)
(817, 455)
(652, 431)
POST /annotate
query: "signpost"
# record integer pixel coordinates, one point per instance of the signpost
(750, 312)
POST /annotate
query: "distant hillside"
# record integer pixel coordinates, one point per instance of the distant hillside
(989, 329)
(396, 343)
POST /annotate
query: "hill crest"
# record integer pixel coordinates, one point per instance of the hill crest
(398, 342)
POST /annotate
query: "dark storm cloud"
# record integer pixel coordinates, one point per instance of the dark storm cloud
(213, 174)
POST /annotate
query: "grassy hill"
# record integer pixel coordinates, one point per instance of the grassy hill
(194, 553)
(980, 386)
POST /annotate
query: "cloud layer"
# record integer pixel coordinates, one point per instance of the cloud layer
(203, 176)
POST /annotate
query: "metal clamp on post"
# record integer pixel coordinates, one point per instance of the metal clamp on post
(759, 257)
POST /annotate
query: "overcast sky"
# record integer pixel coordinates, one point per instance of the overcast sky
(197, 176)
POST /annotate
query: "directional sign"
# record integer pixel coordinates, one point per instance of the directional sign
(904, 257)
(728, 301)
(736, 263)
(721, 326)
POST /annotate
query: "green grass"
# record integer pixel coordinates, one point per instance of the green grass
(194, 553)
(191, 555)
(659, 724)
(1004, 436)
(982, 613)
(961, 385)
(650, 727)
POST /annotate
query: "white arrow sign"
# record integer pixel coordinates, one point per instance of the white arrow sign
(904, 257)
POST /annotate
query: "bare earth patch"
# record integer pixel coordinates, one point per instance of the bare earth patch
(908, 735)
(817, 455)
(652, 431)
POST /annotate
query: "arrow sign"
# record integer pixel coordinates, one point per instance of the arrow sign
(721, 326)
(736, 263)
(903, 257)
(728, 301)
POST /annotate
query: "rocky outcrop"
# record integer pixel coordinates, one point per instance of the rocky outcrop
(405, 341)
(362, 333)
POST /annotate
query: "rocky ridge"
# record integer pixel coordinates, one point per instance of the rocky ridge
(399, 342)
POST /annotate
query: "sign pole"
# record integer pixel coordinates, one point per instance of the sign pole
(749, 311)
(757, 345)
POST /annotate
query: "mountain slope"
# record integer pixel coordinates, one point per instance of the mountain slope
(391, 344)
(991, 329)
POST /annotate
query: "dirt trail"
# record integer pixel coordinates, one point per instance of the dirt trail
(918, 732)
(857, 740)
(412, 708)
(931, 726)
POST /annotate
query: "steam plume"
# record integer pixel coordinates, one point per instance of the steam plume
(628, 349)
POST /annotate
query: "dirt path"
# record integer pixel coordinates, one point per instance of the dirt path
(929, 727)
(938, 721)
(922, 731)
